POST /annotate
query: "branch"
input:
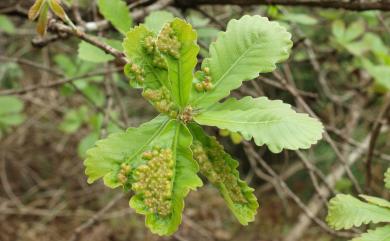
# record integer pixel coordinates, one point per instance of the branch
(339, 4)
(62, 28)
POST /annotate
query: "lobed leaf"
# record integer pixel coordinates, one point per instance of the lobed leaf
(117, 13)
(108, 154)
(378, 234)
(346, 211)
(221, 170)
(250, 45)
(269, 122)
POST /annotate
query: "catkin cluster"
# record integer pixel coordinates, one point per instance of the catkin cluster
(135, 72)
(151, 48)
(212, 164)
(154, 180)
(123, 174)
(161, 100)
(167, 42)
(204, 79)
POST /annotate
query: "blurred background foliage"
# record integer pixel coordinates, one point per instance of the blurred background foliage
(339, 66)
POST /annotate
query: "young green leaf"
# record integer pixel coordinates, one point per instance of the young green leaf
(345, 211)
(387, 178)
(157, 19)
(378, 234)
(35, 9)
(117, 13)
(177, 42)
(105, 158)
(221, 171)
(42, 20)
(250, 45)
(182, 172)
(57, 9)
(269, 122)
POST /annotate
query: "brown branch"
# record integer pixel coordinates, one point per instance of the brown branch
(338, 4)
(62, 28)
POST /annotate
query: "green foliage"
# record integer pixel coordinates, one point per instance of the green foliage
(380, 73)
(160, 159)
(10, 112)
(269, 122)
(73, 120)
(91, 53)
(346, 211)
(250, 45)
(6, 25)
(117, 13)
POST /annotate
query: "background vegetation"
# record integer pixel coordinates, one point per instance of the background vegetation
(60, 93)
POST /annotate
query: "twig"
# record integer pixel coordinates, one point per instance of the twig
(291, 194)
(95, 218)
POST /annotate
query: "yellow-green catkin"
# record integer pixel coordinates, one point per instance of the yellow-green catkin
(212, 164)
(151, 48)
(167, 42)
(161, 100)
(123, 174)
(205, 80)
(154, 180)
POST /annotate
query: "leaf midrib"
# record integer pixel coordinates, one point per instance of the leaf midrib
(161, 128)
(218, 82)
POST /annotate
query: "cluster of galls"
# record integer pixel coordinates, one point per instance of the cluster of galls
(123, 174)
(135, 72)
(161, 100)
(204, 79)
(151, 48)
(213, 165)
(154, 180)
(167, 42)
